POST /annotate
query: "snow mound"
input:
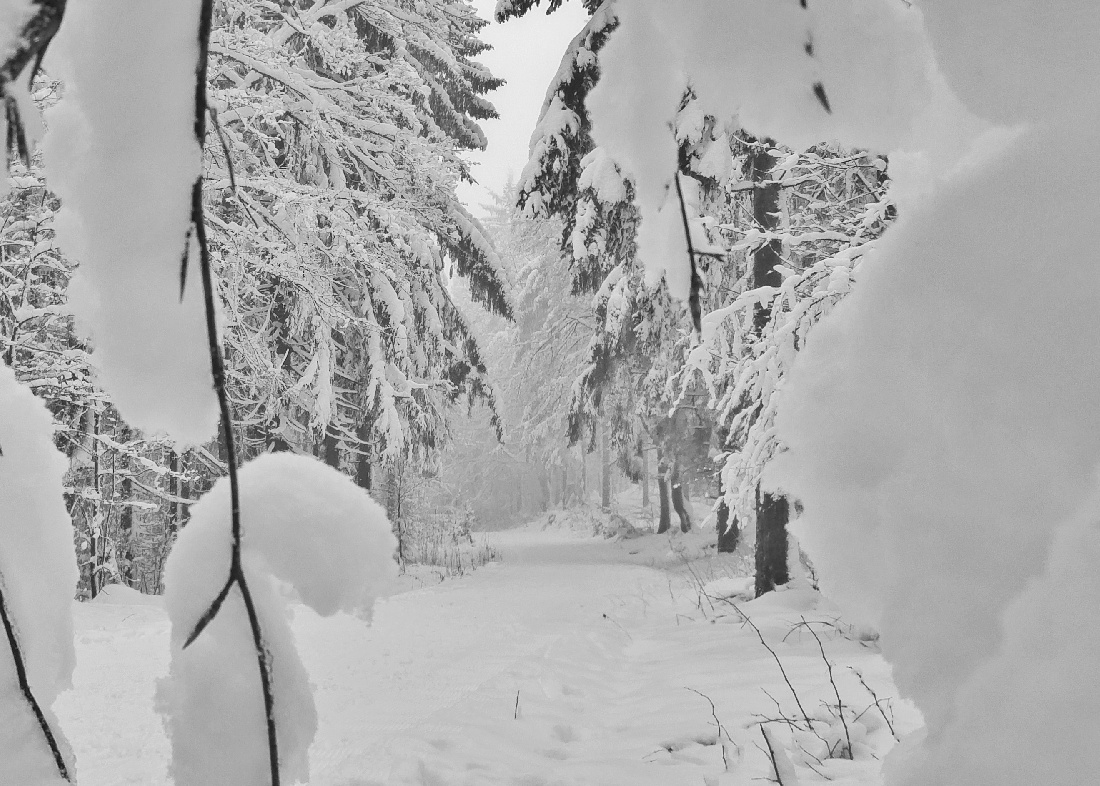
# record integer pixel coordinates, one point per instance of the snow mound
(305, 524)
(731, 587)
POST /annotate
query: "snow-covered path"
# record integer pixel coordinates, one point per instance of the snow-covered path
(598, 651)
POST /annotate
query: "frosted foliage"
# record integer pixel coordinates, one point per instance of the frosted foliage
(121, 154)
(305, 524)
(39, 576)
(764, 81)
(939, 431)
(1018, 59)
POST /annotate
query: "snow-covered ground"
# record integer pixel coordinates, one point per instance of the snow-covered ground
(575, 660)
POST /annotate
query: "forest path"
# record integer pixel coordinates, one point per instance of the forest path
(602, 652)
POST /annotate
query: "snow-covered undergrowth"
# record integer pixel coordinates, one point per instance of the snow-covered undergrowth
(588, 520)
(572, 661)
(443, 546)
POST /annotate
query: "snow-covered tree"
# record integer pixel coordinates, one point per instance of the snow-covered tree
(336, 225)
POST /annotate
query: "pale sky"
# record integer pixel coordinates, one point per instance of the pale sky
(526, 52)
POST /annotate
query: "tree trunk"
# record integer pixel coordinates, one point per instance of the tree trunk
(771, 541)
(362, 459)
(729, 533)
(679, 490)
(605, 471)
(125, 548)
(172, 526)
(545, 478)
(645, 478)
(97, 505)
(564, 484)
(584, 476)
(332, 449)
(771, 511)
(664, 523)
(393, 508)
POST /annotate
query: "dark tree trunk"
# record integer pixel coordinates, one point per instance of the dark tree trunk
(362, 459)
(772, 512)
(679, 489)
(645, 478)
(332, 450)
(664, 523)
(729, 532)
(125, 549)
(771, 541)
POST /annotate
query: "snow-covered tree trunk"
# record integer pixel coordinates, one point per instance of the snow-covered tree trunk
(679, 493)
(664, 522)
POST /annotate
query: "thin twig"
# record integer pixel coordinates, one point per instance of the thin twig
(836, 691)
(781, 763)
(783, 671)
(25, 687)
(694, 305)
(217, 368)
(878, 702)
(718, 723)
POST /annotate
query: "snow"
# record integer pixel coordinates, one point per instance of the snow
(937, 422)
(762, 83)
(307, 525)
(121, 154)
(601, 647)
(38, 578)
(1018, 60)
(957, 444)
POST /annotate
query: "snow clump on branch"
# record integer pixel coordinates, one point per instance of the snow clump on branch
(38, 576)
(758, 63)
(304, 524)
(122, 155)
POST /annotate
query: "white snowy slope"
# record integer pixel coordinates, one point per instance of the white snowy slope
(601, 648)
